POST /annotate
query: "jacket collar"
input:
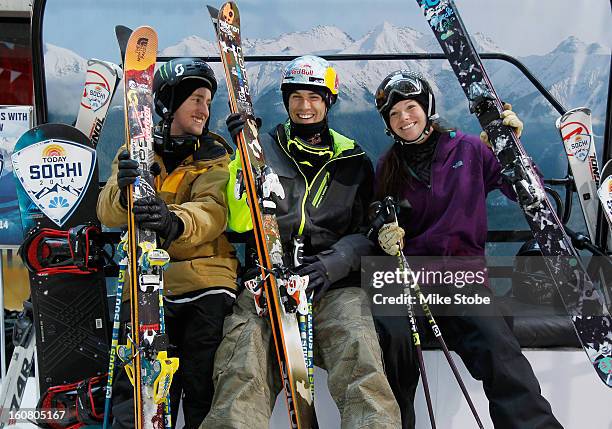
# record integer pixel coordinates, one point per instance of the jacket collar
(343, 146)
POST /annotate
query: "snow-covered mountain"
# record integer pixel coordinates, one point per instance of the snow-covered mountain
(192, 46)
(65, 74)
(319, 40)
(574, 72)
(61, 62)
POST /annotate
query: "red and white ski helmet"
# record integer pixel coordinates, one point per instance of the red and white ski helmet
(313, 73)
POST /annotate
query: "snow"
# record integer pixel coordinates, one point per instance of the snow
(318, 40)
(61, 62)
(192, 46)
(574, 72)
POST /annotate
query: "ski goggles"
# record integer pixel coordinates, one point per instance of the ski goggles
(402, 85)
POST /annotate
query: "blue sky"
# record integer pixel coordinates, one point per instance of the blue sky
(521, 27)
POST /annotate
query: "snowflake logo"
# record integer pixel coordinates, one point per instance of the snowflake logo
(57, 202)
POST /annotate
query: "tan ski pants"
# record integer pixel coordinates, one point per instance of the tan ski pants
(246, 375)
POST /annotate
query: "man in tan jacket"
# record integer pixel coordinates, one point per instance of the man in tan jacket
(189, 215)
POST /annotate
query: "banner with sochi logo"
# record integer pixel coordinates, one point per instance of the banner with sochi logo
(55, 174)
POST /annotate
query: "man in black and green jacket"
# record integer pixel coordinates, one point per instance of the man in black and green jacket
(327, 180)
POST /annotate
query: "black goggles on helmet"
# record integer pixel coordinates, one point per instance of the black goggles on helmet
(404, 86)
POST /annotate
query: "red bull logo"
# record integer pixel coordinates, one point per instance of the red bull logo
(305, 70)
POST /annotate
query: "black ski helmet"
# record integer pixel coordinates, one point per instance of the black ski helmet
(177, 72)
(405, 85)
(173, 83)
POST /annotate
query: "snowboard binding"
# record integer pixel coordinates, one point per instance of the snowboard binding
(79, 250)
(73, 405)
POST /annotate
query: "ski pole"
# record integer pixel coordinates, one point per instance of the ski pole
(162, 330)
(432, 322)
(379, 217)
(438, 334)
(417, 345)
(305, 324)
(123, 262)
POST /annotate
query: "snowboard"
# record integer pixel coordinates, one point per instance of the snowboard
(57, 187)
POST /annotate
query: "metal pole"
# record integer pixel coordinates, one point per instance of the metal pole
(2, 336)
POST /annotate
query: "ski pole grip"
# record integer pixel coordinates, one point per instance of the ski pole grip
(376, 216)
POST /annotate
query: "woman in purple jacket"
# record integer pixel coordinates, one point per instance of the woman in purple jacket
(445, 176)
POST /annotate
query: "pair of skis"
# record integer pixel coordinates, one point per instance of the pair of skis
(584, 304)
(262, 186)
(577, 134)
(576, 130)
(145, 356)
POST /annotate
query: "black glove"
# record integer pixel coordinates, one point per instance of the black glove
(249, 273)
(126, 175)
(152, 213)
(235, 123)
(318, 282)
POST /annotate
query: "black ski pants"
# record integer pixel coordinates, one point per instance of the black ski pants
(195, 329)
(401, 365)
(481, 336)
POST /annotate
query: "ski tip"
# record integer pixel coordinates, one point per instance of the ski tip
(123, 34)
(213, 11)
(122, 30)
(144, 28)
(582, 109)
(112, 67)
(141, 48)
(228, 14)
(607, 168)
(576, 110)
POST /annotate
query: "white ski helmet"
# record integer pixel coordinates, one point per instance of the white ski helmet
(310, 72)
